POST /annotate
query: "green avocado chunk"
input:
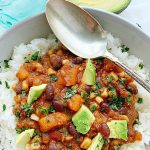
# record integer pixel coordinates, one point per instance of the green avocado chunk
(97, 143)
(118, 129)
(35, 92)
(116, 6)
(89, 75)
(24, 137)
(83, 120)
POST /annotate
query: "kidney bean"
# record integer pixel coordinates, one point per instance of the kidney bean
(104, 130)
(87, 88)
(132, 88)
(77, 60)
(105, 107)
(58, 105)
(123, 111)
(49, 92)
(56, 61)
(72, 130)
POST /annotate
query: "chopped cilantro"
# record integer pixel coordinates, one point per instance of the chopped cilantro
(110, 78)
(141, 65)
(70, 93)
(46, 111)
(124, 48)
(6, 64)
(66, 132)
(56, 40)
(77, 140)
(93, 108)
(86, 97)
(123, 81)
(51, 109)
(98, 86)
(137, 121)
(17, 114)
(53, 78)
(116, 102)
(28, 109)
(35, 56)
(7, 85)
(106, 142)
(140, 100)
(4, 107)
(128, 100)
(20, 130)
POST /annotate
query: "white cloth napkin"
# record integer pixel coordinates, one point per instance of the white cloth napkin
(138, 13)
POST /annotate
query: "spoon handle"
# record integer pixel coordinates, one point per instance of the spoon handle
(134, 75)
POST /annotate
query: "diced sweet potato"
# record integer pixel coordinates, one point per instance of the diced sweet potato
(22, 74)
(52, 121)
(69, 74)
(75, 102)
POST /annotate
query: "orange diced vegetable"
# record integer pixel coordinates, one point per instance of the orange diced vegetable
(22, 74)
(138, 136)
(69, 74)
(52, 121)
(75, 102)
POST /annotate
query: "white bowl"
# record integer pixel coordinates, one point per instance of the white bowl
(37, 26)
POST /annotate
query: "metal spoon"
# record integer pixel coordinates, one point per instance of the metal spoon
(82, 34)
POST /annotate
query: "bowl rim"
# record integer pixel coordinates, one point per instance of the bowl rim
(124, 20)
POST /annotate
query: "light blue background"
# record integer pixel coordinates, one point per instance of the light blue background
(12, 11)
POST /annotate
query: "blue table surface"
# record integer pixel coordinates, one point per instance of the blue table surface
(13, 11)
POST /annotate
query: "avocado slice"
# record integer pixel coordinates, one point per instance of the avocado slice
(35, 92)
(83, 120)
(24, 137)
(97, 143)
(118, 129)
(116, 6)
(89, 75)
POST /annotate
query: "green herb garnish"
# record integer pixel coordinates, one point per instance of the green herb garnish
(4, 107)
(46, 111)
(66, 132)
(123, 81)
(28, 109)
(36, 56)
(7, 85)
(140, 100)
(124, 48)
(6, 64)
(70, 93)
(56, 39)
(116, 102)
(53, 78)
(106, 142)
(77, 140)
(110, 78)
(17, 114)
(128, 100)
(141, 65)
(93, 108)
(20, 130)
(51, 109)
(0, 82)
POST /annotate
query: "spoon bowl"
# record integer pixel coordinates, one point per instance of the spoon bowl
(82, 34)
(76, 29)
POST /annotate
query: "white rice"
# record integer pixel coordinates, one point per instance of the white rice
(7, 119)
